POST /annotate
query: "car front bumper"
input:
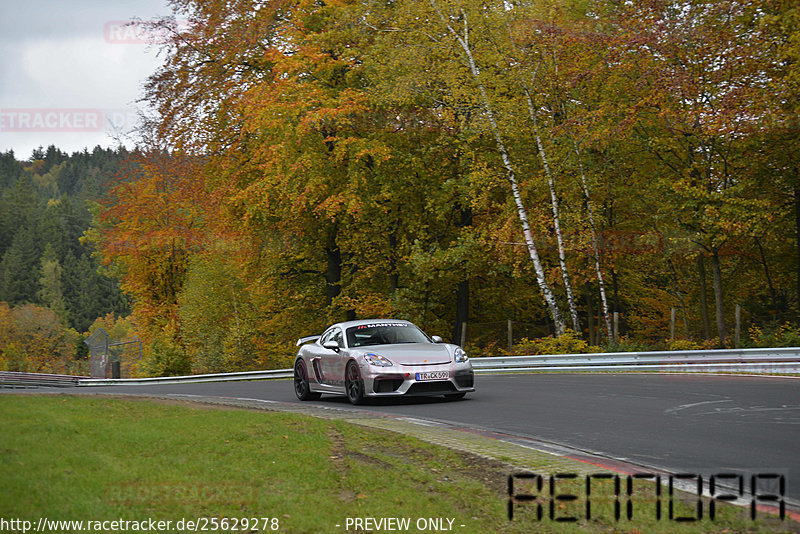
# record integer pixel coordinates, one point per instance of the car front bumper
(401, 380)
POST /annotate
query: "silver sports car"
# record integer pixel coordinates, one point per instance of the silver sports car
(380, 358)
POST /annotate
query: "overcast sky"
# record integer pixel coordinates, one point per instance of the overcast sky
(70, 72)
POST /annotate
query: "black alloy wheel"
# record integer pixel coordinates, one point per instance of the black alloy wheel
(353, 384)
(301, 386)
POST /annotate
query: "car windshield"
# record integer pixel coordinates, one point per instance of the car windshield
(366, 335)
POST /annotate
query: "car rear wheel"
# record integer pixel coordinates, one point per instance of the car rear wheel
(301, 386)
(353, 384)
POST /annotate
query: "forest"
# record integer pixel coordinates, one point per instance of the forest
(51, 289)
(451, 162)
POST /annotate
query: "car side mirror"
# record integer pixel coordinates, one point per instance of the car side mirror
(436, 339)
(331, 345)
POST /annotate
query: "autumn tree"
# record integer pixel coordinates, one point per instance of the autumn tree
(146, 230)
(703, 63)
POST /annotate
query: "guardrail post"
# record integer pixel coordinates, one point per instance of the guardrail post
(738, 328)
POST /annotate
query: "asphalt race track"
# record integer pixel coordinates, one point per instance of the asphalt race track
(679, 423)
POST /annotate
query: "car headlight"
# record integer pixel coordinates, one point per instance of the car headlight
(377, 359)
(460, 356)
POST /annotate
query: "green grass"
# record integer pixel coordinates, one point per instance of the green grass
(96, 458)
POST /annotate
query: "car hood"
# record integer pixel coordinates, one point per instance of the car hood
(412, 353)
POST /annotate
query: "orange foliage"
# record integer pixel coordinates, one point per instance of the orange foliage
(154, 219)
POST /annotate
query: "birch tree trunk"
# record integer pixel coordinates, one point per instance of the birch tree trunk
(595, 243)
(547, 293)
(562, 258)
(554, 203)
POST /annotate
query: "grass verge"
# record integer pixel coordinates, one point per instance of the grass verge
(103, 459)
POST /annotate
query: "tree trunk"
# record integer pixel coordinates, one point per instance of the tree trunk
(462, 309)
(333, 271)
(701, 273)
(590, 314)
(772, 293)
(394, 276)
(462, 289)
(609, 216)
(554, 205)
(595, 245)
(797, 235)
(679, 296)
(522, 213)
(717, 274)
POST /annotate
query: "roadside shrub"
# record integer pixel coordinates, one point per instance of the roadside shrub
(491, 348)
(684, 344)
(692, 344)
(32, 339)
(12, 359)
(775, 335)
(166, 359)
(626, 344)
(568, 343)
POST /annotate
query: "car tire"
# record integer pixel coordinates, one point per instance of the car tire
(353, 385)
(455, 396)
(301, 386)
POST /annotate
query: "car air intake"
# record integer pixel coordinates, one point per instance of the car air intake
(438, 387)
(465, 380)
(387, 385)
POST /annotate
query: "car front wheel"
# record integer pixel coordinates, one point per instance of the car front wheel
(301, 386)
(353, 385)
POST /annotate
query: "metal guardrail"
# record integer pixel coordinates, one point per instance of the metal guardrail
(772, 360)
(220, 377)
(761, 361)
(26, 380)
(775, 368)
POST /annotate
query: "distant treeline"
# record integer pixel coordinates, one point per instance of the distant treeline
(45, 204)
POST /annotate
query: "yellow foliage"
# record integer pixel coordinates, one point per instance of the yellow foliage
(784, 335)
(33, 340)
(683, 344)
(569, 343)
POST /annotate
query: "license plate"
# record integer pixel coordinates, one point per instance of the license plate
(433, 375)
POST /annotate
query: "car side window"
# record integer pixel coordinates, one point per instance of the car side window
(335, 334)
(327, 336)
(338, 337)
